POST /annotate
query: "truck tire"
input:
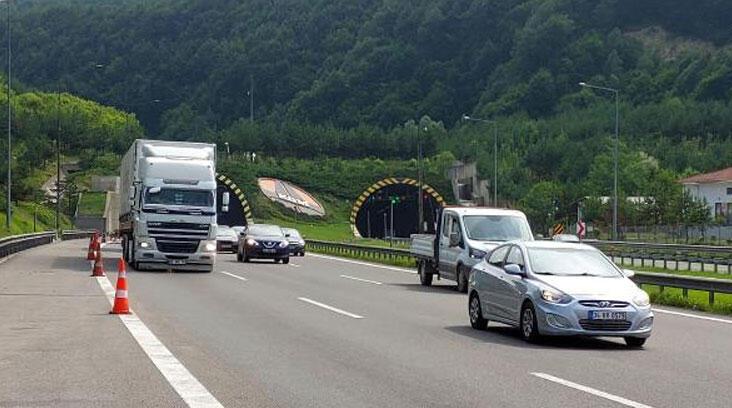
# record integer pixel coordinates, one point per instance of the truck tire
(462, 279)
(425, 274)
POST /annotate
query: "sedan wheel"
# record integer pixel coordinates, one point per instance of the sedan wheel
(529, 330)
(477, 321)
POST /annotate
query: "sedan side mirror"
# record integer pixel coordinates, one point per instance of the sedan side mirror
(628, 273)
(513, 269)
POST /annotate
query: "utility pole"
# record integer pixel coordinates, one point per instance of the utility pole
(495, 164)
(9, 209)
(368, 223)
(391, 235)
(251, 98)
(420, 200)
(58, 163)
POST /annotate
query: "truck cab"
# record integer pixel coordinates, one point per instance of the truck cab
(170, 217)
(464, 236)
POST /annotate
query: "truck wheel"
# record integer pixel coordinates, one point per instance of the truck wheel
(462, 280)
(425, 276)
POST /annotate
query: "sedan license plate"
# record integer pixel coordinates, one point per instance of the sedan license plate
(177, 261)
(269, 251)
(606, 315)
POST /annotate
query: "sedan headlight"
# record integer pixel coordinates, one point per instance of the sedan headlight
(641, 299)
(554, 296)
(284, 244)
(210, 246)
(477, 253)
(251, 242)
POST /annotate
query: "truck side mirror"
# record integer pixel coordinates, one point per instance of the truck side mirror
(454, 239)
(225, 202)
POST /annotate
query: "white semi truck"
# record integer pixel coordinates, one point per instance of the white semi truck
(168, 205)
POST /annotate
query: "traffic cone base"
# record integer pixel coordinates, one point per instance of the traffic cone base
(98, 269)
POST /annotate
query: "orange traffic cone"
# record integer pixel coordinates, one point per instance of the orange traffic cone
(98, 269)
(90, 255)
(121, 304)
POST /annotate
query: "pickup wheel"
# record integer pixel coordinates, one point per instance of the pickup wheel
(425, 274)
(462, 279)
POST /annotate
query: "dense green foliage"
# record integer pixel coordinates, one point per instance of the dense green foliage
(347, 80)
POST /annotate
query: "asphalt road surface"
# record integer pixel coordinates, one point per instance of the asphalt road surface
(321, 332)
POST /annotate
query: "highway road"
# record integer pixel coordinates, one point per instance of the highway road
(319, 332)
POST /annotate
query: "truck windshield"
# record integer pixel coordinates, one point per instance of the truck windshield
(496, 228)
(174, 196)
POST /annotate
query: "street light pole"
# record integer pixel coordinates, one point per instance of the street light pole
(495, 153)
(420, 202)
(58, 162)
(251, 98)
(615, 151)
(9, 210)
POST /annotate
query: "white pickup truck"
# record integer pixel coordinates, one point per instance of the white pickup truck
(464, 236)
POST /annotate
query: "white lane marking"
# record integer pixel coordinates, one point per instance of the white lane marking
(331, 308)
(694, 316)
(360, 280)
(235, 276)
(589, 390)
(193, 393)
(294, 265)
(7, 258)
(391, 268)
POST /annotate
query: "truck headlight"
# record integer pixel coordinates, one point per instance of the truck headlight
(145, 243)
(554, 296)
(284, 244)
(210, 246)
(641, 299)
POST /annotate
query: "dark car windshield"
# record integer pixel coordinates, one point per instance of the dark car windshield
(571, 262)
(266, 230)
(496, 228)
(174, 196)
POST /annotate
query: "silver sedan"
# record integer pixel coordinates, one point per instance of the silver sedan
(558, 288)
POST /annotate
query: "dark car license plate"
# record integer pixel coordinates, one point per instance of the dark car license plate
(269, 251)
(606, 315)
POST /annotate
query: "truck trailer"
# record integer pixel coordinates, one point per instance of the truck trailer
(168, 205)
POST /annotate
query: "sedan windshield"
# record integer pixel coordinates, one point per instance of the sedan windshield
(174, 196)
(571, 262)
(496, 228)
(266, 230)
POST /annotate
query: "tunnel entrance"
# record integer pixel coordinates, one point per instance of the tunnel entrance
(239, 213)
(372, 215)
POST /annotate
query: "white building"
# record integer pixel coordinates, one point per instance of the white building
(716, 189)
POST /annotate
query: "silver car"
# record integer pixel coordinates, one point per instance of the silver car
(558, 289)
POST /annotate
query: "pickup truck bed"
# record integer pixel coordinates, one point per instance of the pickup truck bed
(423, 246)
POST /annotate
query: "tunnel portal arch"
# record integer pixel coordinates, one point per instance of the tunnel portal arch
(240, 212)
(373, 204)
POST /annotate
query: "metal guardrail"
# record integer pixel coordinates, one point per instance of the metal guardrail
(662, 280)
(17, 243)
(669, 256)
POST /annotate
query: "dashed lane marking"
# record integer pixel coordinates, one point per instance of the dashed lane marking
(235, 276)
(590, 390)
(391, 268)
(193, 393)
(361, 280)
(693, 316)
(331, 308)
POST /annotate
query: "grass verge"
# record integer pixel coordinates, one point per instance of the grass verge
(92, 203)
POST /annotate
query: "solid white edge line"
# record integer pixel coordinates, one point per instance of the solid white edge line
(234, 276)
(331, 308)
(373, 265)
(589, 390)
(193, 393)
(7, 258)
(360, 280)
(693, 316)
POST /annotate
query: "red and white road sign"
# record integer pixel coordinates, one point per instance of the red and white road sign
(581, 229)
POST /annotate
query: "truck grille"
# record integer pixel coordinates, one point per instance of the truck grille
(182, 247)
(177, 237)
(605, 325)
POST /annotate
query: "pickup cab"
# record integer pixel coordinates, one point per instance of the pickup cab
(464, 236)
